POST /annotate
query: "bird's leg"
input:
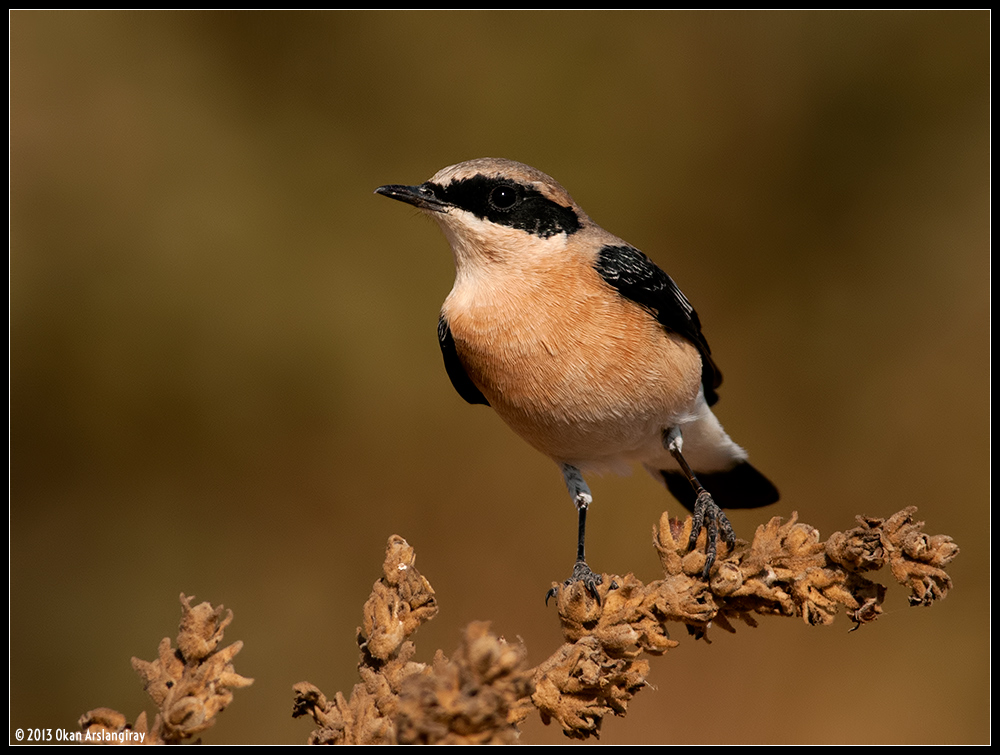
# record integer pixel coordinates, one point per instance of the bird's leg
(706, 512)
(582, 499)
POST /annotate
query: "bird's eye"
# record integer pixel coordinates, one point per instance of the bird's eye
(503, 197)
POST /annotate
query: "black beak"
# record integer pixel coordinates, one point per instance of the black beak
(423, 196)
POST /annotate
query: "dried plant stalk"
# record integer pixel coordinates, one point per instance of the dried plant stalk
(190, 685)
(474, 698)
(485, 690)
(784, 571)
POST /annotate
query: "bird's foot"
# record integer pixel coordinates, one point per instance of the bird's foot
(581, 573)
(709, 516)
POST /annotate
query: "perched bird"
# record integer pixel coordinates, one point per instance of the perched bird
(582, 345)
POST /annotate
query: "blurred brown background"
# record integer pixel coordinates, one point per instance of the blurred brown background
(225, 378)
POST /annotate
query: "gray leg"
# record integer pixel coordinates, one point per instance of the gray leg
(576, 486)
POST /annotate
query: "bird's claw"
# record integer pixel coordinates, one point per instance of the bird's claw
(709, 516)
(581, 573)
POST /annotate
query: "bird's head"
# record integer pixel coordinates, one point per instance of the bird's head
(495, 210)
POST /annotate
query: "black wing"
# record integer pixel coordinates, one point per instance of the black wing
(456, 371)
(636, 277)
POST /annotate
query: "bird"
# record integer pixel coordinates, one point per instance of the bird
(582, 345)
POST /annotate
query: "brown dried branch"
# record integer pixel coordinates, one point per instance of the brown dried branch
(485, 690)
(190, 684)
(400, 602)
(474, 698)
(482, 693)
(785, 571)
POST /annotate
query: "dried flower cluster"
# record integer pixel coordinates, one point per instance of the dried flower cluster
(474, 698)
(190, 684)
(482, 693)
(784, 571)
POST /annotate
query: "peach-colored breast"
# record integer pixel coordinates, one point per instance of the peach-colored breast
(582, 376)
